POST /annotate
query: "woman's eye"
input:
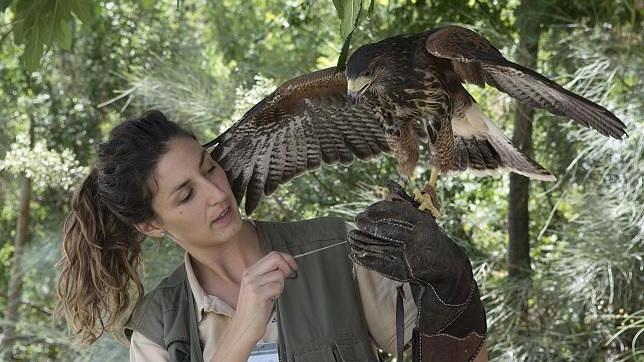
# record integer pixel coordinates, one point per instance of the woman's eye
(210, 170)
(187, 198)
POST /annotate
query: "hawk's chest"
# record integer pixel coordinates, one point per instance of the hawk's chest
(417, 93)
(399, 96)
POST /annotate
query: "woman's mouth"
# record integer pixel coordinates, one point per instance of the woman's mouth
(223, 218)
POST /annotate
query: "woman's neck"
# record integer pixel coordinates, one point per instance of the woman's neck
(225, 263)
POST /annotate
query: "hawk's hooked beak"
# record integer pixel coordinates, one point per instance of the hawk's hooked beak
(357, 87)
(354, 97)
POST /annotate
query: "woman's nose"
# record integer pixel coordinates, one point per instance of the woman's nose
(215, 193)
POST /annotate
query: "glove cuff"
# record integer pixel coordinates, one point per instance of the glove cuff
(444, 347)
(434, 313)
(447, 332)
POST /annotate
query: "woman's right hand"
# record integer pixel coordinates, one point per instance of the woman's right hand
(261, 284)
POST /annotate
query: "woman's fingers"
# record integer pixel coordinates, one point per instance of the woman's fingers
(290, 260)
(271, 261)
(261, 284)
(270, 291)
(265, 279)
(270, 277)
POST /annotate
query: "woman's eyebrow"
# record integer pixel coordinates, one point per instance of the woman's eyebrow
(186, 182)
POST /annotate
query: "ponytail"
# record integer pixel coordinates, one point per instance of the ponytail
(99, 269)
(99, 276)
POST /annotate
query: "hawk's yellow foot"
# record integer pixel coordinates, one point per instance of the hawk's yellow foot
(382, 192)
(428, 200)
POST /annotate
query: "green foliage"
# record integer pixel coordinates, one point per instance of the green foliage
(44, 166)
(273, 38)
(247, 98)
(348, 12)
(585, 299)
(40, 23)
(4, 4)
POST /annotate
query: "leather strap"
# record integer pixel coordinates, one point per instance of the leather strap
(400, 324)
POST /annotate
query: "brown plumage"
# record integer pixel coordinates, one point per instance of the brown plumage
(305, 122)
(395, 95)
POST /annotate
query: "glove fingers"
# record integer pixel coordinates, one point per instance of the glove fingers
(374, 253)
(368, 243)
(388, 219)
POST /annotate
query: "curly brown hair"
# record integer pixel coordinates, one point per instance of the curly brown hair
(99, 278)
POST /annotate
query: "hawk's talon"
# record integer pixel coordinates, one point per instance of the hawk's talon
(382, 192)
(427, 202)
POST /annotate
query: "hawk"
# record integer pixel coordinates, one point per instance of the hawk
(395, 95)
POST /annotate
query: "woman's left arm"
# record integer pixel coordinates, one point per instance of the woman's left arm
(405, 244)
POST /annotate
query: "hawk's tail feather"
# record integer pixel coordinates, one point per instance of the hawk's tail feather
(482, 148)
(514, 159)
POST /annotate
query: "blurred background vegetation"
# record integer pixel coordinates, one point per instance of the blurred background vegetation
(562, 272)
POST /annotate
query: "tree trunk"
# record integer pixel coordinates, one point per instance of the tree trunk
(518, 216)
(14, 295)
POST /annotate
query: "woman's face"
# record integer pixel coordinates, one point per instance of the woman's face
(194, 202)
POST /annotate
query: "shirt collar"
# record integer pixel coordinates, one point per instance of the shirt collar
(204, 303)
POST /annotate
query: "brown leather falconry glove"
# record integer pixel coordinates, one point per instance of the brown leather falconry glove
(403, 243)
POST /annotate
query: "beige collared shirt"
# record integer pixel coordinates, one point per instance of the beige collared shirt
(378, 296)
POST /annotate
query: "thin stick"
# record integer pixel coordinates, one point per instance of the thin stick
(320, 249)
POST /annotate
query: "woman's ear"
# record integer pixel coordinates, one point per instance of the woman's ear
(151, 228)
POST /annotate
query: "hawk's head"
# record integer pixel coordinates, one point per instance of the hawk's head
(368, 70)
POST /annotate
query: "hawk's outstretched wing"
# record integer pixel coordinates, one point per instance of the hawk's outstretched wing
(303, 123)
(477, 61)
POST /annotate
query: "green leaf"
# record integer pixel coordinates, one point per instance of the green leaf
(351, 9)
(41, 22)
(342, 59)
(83, 9)
(64, 35)
(61, 13)
(33, 50)
(4, 4)
(48, 23)
(24, 20)
(30, 17)
(339, 7)
(60, 24)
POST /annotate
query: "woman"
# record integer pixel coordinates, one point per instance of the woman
(153, 179)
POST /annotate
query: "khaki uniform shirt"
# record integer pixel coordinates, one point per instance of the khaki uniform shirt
(378, 296)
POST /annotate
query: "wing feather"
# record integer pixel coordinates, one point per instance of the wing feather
(290, 157)
(313, 153)
(276, 167)
(302, 148)
(305, 122)
(255, 188)
(477, 61)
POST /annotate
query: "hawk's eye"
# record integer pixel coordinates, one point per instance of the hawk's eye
(366, 73)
